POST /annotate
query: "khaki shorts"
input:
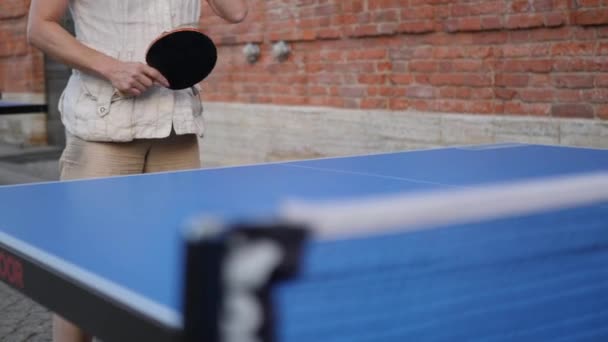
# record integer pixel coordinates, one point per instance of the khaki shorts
(86, 159)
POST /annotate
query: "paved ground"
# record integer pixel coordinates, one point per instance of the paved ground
(20, 318)
(27, 165)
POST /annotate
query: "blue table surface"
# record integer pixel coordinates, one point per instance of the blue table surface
(117, 225)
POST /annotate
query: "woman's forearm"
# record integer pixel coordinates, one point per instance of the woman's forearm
(45, 33)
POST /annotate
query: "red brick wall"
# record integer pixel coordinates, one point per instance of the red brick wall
(21, 67)
(530, 57)
(527, 57)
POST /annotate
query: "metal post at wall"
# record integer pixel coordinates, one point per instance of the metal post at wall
(57, 75)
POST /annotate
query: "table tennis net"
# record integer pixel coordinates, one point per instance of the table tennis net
(539, 274)
(537, 277)
(513, 262)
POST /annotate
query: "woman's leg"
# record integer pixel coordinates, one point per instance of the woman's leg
(84, 159)
(177, 152)
(64, 331)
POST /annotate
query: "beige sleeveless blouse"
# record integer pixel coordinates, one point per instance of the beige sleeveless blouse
(92, 109)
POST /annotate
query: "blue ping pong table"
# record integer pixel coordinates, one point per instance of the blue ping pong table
(153, 257)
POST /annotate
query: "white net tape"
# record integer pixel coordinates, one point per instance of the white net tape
(383, 214)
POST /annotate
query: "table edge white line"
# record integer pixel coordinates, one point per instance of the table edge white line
(119, 293)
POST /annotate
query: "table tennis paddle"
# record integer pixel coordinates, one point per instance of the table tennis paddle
(184, 56)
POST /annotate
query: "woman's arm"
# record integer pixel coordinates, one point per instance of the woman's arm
(233, 11)
(45, 33)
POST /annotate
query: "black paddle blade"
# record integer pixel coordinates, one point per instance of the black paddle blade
(184, 57)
